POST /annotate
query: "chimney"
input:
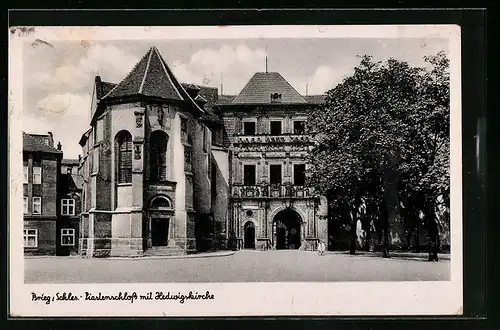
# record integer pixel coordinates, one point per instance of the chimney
(59, 146)
(51, 142)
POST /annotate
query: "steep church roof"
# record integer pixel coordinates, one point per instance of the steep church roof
(262, 85)
(151, 77)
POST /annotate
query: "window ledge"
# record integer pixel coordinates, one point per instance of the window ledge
(124, 184)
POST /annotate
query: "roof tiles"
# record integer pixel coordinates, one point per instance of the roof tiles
(259, 88)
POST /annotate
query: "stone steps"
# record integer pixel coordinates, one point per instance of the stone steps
(164, 251)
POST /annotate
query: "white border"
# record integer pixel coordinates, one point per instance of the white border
(238, 299)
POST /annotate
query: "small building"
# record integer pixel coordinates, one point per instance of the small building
(41, 166)
(70, 184)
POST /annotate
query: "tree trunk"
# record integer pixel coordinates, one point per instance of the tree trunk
(417, 238)
(385, 227)
(352, 249)
(433, 231)
(368, 236)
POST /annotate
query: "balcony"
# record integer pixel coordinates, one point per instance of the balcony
(272, 191)
(271, 139)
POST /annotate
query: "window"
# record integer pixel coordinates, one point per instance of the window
(299, 174)
(68, 207)
(124, 140)
(205, 139)
(158, 155)
(275, 174)
(25, 172)
(249, 175)
(25, 205)
(299, 127)
(95, 160)
(99, 131)
(183, 125)
(37, 205)
(275, 127)
(37, 175)
(249, 128)
(30, 238)
(67, 237)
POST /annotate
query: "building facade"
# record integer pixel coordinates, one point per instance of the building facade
(173, 168)
(148, 166)
(70, 185)
(41, 166)
(270, 205)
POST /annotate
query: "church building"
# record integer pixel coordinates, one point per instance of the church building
(148, 166)
(173, 168)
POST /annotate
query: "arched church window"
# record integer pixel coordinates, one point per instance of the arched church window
(124, 157)
(158, 156)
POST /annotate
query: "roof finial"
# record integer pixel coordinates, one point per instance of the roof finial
(221, 83)
(266, 57)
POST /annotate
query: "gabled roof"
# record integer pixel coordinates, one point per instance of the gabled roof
(225, 99)
(102, 87)
(67, 161)
(259, 88)
(32, 143)
(151, 77)
(315, 99)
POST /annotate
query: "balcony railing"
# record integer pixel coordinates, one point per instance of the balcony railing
(272, 191)
(282, 139)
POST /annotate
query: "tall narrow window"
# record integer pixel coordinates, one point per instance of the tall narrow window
(124, 157)
(37, 175)
(249, 128)
(299, 127)
(275, 174)
(37, 205)
(275, 127)
(25, 205)
(158, 156)
(25, 172)
(299, 174)
(249, 175)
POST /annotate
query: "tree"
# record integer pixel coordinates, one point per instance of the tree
(382, 140)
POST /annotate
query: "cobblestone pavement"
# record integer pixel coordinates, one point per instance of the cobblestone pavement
(242, 266)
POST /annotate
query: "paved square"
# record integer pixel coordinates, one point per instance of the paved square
(242, 266)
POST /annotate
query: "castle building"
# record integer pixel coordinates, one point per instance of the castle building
(270, 205)
(171, 168)
(155, 179)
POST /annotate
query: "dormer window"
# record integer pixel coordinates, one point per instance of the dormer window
(275, 98)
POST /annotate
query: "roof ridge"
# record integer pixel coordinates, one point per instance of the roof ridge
(291, 86)
(145, 72)
(164, 66)
(128, 75)
(169, 74)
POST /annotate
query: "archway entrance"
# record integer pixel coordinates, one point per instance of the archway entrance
(287, 233)
(157, 231)
(249, 232)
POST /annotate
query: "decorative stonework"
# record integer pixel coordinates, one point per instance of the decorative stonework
(139, 116)
(137, 152)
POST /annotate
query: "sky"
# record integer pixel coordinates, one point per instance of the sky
(58, 77)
